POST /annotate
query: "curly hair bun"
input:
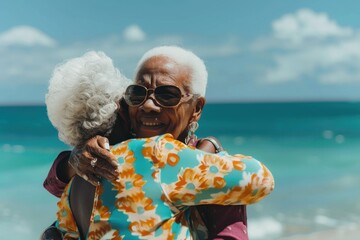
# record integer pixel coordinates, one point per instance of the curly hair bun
(83, 96)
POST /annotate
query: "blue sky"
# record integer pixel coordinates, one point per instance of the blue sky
(279, 51)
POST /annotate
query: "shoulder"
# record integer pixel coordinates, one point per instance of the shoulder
(211, 140)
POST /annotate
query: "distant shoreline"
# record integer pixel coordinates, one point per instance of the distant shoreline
(222, 102)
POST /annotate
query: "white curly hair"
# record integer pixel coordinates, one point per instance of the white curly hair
(83, 97)
(199, 74)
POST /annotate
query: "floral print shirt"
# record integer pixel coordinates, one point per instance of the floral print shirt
(159, 178)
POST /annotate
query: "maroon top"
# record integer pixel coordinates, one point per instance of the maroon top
(52, 183)
(222, 222)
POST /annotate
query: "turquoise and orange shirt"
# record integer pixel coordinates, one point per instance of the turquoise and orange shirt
(159, 178)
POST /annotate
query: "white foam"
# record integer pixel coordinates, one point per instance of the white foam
(326, 221)
(328, 134)
(263, 227)
(18, 148)
(12, 148)
(239, 140)
(340, 138)
(6, 147)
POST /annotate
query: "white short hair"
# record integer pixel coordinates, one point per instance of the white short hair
(83, 97)
(199, 75)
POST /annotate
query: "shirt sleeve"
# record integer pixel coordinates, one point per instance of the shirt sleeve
(52, 183)
(192, 177)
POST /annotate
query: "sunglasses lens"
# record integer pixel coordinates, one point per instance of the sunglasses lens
(52, 233)
(168, 95)
(135, 95)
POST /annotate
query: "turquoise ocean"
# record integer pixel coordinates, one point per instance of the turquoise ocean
(312, 149)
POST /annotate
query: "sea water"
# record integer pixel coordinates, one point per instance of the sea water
(312, 149)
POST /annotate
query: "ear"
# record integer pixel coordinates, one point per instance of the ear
(200, 102)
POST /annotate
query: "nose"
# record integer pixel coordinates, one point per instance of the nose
(150, 105)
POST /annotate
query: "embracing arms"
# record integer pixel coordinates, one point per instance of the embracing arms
(69, 163)
(189, 176)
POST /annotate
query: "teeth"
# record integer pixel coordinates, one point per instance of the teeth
(150, 124)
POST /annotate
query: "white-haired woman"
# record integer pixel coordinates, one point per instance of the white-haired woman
(157, 177)
(184, 68)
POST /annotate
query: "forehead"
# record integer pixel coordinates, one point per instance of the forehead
(161, 70)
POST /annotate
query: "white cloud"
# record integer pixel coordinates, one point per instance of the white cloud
(338, 62)
(305, 25)
(310, 45)
(134, 33)
(340, 76)
(25, 36)
(26, 68)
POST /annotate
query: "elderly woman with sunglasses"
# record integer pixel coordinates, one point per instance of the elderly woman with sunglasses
(168, 97)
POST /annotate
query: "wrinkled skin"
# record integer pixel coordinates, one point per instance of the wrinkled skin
(150, 119)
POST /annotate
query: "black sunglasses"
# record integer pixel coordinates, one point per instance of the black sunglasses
(166, 95)
(52, 233)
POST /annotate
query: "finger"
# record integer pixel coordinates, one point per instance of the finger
(91, 178)
(101, 167)
(82, 157)
(100, 150)
(105, 174)
(104, 154)
(104, 169)
(95, 148)
(104, 143)
(94, 177)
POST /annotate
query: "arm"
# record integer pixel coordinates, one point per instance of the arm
(218, 221)
(209, 144)
(192, 177)
(55, 183)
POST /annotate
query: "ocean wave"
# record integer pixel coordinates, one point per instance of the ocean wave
(329, 135)
(263, 228)
(12, 148)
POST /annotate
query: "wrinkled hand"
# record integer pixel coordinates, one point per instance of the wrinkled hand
(93, 160)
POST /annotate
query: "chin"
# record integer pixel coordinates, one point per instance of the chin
(146, 133)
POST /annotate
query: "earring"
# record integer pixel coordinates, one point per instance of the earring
(191, 137)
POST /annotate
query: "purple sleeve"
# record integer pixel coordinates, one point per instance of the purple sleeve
(225, 222)
(52, 183)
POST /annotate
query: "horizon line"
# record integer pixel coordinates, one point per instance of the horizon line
(15, 104)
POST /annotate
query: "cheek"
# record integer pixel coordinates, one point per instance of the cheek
(180, 119)
(132, 114)
(132, 111)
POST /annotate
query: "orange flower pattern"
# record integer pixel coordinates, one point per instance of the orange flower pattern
(66, 221)
(159, 177)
